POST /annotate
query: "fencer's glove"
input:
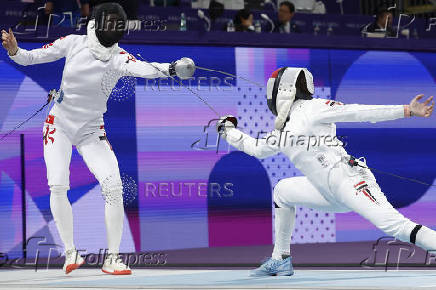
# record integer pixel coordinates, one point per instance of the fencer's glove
(226, 122)
(184, 68)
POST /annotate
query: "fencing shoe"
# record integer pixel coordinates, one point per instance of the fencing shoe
(114, 265)
(72, 261)
(273, 267)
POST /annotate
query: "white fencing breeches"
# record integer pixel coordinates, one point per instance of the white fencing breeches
(349, 189)
(92, 144)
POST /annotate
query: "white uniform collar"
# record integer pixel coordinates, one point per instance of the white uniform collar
(99, 51)
(287, 27)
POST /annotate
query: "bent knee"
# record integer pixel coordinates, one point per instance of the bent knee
(111, 182)
(112, 190)
(279, 191)
(400, 228)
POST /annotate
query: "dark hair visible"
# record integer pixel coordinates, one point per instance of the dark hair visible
(243, 13)
(216, 10)
(289, 5)
(381, 11)
(301, 86)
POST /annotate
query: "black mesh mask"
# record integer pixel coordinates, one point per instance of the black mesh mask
(110, 23)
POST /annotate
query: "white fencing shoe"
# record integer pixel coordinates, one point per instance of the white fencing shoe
(114, 265)
(72, 261)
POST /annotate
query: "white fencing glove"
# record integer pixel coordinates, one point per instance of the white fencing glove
(226, 122)
(184, 68)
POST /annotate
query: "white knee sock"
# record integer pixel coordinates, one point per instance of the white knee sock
(114, 218)
(284, 221)
(114, 213)
(63, 214)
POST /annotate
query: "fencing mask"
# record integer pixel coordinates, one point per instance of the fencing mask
(110, 23)
(285, 86)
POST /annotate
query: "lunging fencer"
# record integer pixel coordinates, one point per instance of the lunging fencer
(76, 118)
(334, 181)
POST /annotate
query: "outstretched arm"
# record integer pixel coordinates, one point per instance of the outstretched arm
(183, 68)
(48, 53)
(334, 112)
(142, 69)
(259, 148)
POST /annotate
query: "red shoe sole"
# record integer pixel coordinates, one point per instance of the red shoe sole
(124, 272)
(71, 267)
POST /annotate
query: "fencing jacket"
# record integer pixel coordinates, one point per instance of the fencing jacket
(309, 137)
(87, 79)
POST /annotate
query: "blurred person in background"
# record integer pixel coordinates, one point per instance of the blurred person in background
(285, 15)
(29, 14)
(244, 21)
(309, 6)
(382, 23)
(129, 6)
(78, 8)
(216, 11)
(164, 3)
(228, 4)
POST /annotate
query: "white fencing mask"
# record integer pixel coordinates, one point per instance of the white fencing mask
(285, 86)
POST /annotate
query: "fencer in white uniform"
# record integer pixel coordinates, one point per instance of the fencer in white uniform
(76, 118)
(334, 181)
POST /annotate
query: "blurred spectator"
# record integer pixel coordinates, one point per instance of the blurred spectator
(228, 4)
(164, 3)
(244, 21)
(308, 6)
(58, 10)
(302, 5)
(61, 6)
(130, 6)
(285, 15)
(30, 12)
(319, 8)
(216, 10)
(382, 23)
